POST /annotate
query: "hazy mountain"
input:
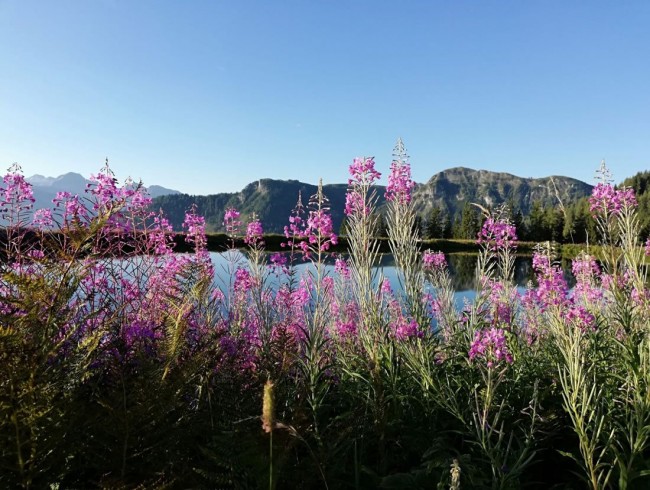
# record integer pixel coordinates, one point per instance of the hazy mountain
(46, 188)
(273, 200)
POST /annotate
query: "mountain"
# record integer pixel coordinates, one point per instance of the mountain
(46, 188)
(158, 190)
(451, 188)
(273, 200)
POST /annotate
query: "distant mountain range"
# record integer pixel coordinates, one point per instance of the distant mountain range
(46, 188)
(449, 190)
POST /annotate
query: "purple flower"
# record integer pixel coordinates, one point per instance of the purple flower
(585, 267)
(552, 288)
(73, 209)
(497, 235)
(243, 280)
(433, 260)
(104, 187)
(605, 200)
(195, 229)
(362, 170)
(231, 221)
(139, 199)
(362, 176)
(314, 233)
(490, 345)
(341, 268)
(400, 184)
(36, 254)
(346, 329)
(254, 233)
(278, 260)
(320, 229)
(580, 317)
(406, 329)
(160, 239)
(17, 191)
(355, 204)
(587, 272)
(43, 218)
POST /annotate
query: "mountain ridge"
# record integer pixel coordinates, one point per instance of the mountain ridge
(273, 199)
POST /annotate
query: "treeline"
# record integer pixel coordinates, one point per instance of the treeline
(562, 223)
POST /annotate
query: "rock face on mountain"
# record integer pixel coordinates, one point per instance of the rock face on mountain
(273, 200)
(450, 189)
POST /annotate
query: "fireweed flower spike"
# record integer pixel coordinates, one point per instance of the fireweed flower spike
(254, 233)
(400, 184)
(231, 221)
(490, 345)
(362, 176)
(314, 234)
(403, 236)
(497, 234)
(605, 200)
(433, 260)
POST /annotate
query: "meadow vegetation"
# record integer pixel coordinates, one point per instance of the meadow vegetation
(123, 365)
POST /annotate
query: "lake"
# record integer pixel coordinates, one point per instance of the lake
(462, 269)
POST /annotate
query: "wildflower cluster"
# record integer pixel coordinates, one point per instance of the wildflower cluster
(400, 184)
(605, 200)
(315, 232)
(362, 175)
(433, 260)
(490, 345)
(254, 233)
(497, 234)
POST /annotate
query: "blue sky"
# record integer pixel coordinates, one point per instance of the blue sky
(206, 96)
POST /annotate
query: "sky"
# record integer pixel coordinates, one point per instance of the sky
(207, 96)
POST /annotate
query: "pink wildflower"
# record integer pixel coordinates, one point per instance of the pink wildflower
(497, 235)
(400, 184)
(341, 268)
(363, 170)
(195, 229)
(490, 344)
(231, 221)
(43, 218)
(605, 200)
(254, 233)
(17, 194)
(433, 260)
(362, 175)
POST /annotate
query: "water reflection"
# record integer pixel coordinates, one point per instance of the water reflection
(462, 268)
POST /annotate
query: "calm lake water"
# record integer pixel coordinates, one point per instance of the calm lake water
(462, 268)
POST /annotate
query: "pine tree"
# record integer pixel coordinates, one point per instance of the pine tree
(434, 226)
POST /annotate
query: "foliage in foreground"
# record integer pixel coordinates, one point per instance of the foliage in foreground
(124, 365)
